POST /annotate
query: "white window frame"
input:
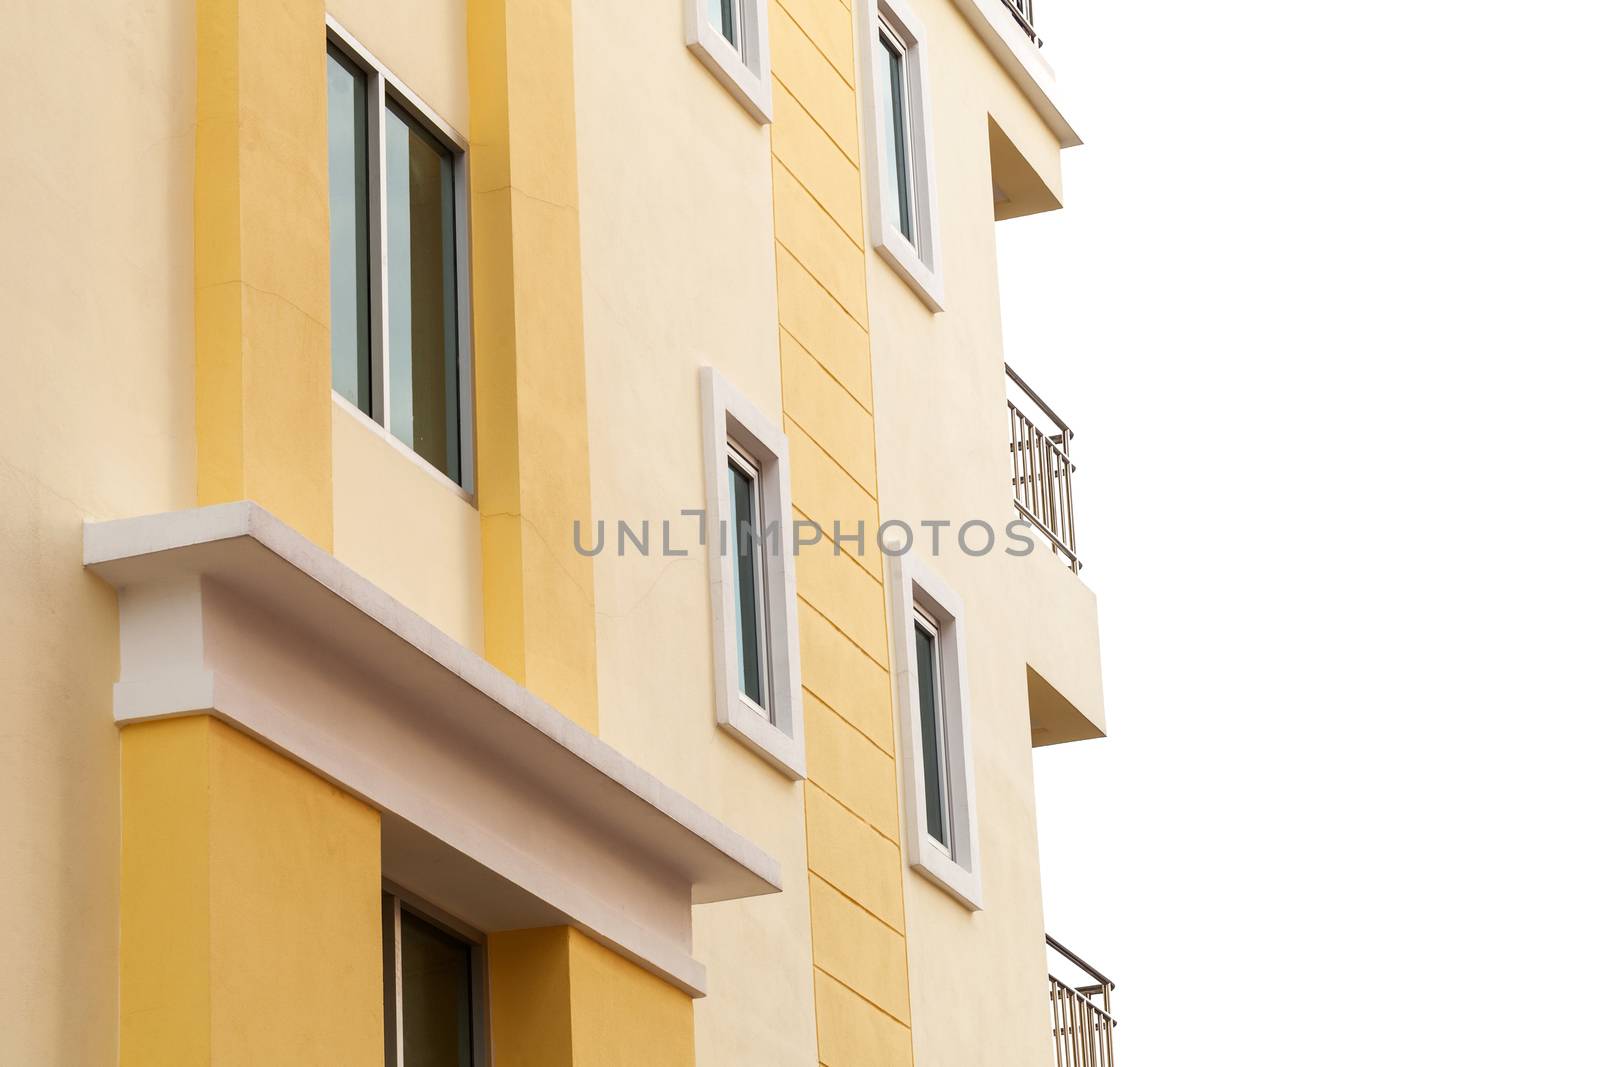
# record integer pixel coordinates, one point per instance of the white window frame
(396, 900)
(734, 427)
(919, 262)
(752, 469)
(382, 86)
(744, 70)
(914, 589)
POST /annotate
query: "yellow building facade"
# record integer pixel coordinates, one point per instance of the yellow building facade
(519, 545)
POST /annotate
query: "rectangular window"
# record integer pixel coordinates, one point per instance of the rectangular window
(902, 207)
(933, 712)
(935, 770)
(348, 212)
(433, 1001)
(897, 149)
(755, 628)
(730, 38)
(749, 577)
(420, 204)
(398, 257)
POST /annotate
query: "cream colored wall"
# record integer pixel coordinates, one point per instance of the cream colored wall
(423, 42)
(676, 218)
(406, 529)
(677, 221)
(96, 420)
(977, 979)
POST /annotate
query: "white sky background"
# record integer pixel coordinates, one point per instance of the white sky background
(1322, 309)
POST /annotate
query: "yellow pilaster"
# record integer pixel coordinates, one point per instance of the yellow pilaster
(559, 999)
(862, 986)
(262, 368)
(249, 906)
(532, 406)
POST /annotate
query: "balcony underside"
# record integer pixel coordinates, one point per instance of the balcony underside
(494, 805)
(1065, 701)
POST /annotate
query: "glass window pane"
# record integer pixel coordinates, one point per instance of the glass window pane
(933, 762)
(435, 994)
(424, 406)
(347, 239)
(892, 77)
(725, 14)
(746, 582)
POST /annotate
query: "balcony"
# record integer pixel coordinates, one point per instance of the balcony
(1041, 467)
(1022, 11)
(1081, 1029)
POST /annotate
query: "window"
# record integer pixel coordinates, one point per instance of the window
(726, 14)
(755, 631)
(895, 99)
(930, 700)
(897, 149)
(397, 253)
(939, 798)
(730, 38)
(432, 989)
(749, 578)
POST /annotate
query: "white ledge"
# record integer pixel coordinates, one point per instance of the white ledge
(1020, 57)
(495, 806)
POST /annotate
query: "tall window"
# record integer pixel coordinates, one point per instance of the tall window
(397, 253)
(935, 758)
(433, 1001)
(749, 577)
(754, 612)
(892, 113)
(901, 205)
(348, 240)
(933, 710)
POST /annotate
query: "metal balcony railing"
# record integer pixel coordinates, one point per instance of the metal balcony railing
(1082, 1030)
(1041, 468)
(1022, 11)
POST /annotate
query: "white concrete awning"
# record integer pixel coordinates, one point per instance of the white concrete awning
(495, 806)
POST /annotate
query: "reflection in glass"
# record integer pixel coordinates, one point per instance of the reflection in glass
(892, 78)
(435, 995)
(934, 785)
(747, 607)
(348, 207)
(725, 14)
(424, 408)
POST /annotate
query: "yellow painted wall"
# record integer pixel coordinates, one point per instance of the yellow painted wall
(559, 999)
(249, 919)
(977, 979)
(589, 328)
(96, 420)
(678, 273)
(532, 415)
(421, 42)
(406, 528)
(261, 313)
(670, 285)
(858, 929)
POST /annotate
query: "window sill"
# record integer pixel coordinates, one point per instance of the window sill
(753, 90)
(371, 425)
(751, 726)
(925, 282)
(931, 861)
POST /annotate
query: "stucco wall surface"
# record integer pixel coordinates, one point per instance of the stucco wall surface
(96, 420)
